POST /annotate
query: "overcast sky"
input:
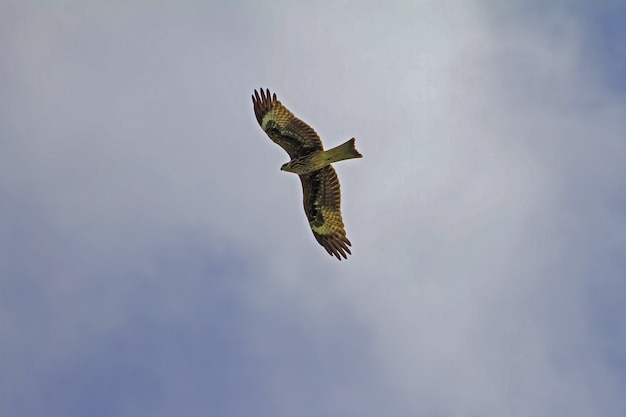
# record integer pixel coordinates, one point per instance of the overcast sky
(155, 261)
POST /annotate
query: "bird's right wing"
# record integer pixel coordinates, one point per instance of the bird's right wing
(322, 205)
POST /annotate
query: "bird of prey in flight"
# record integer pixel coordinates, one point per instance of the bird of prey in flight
(320, 186)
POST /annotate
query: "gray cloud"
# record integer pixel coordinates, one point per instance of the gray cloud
(156, 261)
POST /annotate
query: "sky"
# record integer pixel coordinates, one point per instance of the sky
(155, 261)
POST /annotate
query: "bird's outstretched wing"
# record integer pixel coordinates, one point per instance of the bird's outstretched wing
(322, 205)
(291, 133)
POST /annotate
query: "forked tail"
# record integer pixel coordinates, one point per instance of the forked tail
(344, 151)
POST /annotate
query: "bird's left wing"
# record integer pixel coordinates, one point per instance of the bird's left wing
(291, 133)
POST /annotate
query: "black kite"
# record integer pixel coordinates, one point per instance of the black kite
(322, 197)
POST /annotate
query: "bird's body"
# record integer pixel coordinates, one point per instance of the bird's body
(317, 160)
(320, 185)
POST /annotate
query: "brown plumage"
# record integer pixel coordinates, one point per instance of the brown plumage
(320, 185)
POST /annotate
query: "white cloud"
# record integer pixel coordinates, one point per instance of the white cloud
(153, 229)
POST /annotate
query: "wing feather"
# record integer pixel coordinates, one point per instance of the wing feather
(322, 205)
(290, 133)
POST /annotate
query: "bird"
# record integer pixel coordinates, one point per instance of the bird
(309, 160)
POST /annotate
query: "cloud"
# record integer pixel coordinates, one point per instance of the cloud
(156, 261)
